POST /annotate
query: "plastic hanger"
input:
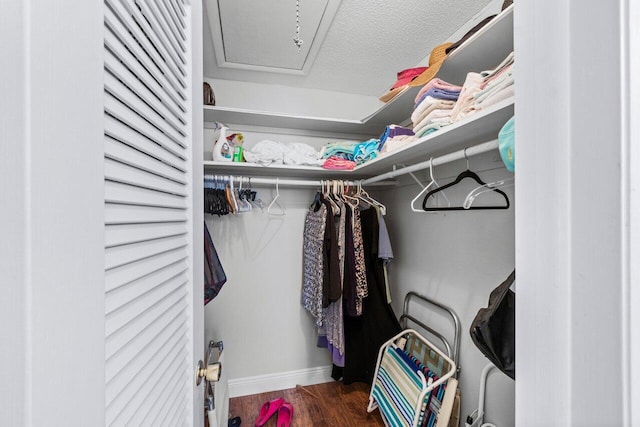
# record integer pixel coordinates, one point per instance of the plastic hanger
(243, 204)
(251, 198)
(352, 201)
(335, 209)
(232, 192)
(283, 211)
(363, 195)
(425, 189)
(473, 195)
(463, 175)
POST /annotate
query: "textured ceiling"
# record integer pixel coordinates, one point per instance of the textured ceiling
(366, 45)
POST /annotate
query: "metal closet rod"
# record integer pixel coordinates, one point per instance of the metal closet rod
(437, 161)
(283, 182)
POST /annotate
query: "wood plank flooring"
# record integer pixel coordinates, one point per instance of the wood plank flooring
(323, 405)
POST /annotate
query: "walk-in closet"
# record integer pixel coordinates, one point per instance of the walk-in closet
(454, 257)
(214, 200)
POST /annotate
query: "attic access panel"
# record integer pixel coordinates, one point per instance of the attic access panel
(253, 35)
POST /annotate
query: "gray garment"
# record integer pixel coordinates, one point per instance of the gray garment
(385, 252)
(312, 247)
(384, 243)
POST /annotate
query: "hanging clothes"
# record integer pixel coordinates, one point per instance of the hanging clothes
(345, 288)
(331, 335)
(364, 334)
(313, 261)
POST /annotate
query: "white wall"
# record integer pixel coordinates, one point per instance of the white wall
(14, 224)
(258, 312)
(456, 258)
(632, 173)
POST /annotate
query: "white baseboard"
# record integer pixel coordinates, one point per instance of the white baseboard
(279, 381)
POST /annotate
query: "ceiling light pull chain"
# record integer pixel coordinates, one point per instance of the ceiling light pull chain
(297, 40)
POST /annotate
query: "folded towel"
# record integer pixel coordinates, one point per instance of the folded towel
(508, 60)
(466, 99)
(496, 97)
(392, 131)
(434, 92)
(429, 104)
(433, 116)
(366, 150)
(397, 142)
(434, 126)
(490, 79)
(496, 86)
(437, 83)
(336, 163)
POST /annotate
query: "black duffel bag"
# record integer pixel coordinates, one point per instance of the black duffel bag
(493, 330)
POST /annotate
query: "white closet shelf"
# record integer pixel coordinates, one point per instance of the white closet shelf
(479, 127)
(482, 51)
(253, 169)
(357, 129)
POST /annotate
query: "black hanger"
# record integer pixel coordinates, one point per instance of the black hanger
(465, 174)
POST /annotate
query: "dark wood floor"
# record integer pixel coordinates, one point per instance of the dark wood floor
(323, 405)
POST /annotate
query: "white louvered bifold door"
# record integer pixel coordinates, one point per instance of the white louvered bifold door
(148, 212)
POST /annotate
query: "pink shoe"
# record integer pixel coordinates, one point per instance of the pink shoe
(285, 413)
(267, 410)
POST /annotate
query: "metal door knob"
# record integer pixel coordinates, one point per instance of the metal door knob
(211, 372)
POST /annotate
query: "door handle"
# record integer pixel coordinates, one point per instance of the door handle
(211, 372)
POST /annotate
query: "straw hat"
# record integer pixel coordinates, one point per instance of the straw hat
(404, 78)
(436, 58)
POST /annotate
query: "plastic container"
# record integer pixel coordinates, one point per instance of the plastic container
(222, 150)
(237, 140)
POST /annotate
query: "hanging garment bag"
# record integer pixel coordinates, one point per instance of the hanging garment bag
(493, 330)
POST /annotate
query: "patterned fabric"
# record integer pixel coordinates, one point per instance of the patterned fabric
(362, 289)
(433, 399)
(396, 388)
(333, 314)
(313, 239)
(429, 358)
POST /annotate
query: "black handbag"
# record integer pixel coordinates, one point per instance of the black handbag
(493, 330)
